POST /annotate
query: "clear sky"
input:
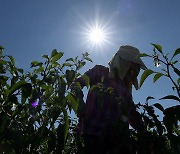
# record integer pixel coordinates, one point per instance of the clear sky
(30, 28)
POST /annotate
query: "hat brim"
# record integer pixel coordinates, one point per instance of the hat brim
(131, 55)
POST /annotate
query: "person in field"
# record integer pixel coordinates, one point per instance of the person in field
(109, 109)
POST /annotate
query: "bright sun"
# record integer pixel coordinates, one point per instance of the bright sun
(96, 35)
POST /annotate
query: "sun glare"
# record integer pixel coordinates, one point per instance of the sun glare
(96, 35)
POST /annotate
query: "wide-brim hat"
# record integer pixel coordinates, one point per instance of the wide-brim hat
(130, 53)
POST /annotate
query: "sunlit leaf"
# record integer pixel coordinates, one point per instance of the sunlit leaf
(40, 69)
(145, 74)
(178, 80)
(158, 47)
(54, 52)
(36, 63)
(81, 64)
(57, 56)
(87, 58)
(45, 56)
(157, 76)
(76, 59)
(74, 104)
(176, 52)
(142, 55)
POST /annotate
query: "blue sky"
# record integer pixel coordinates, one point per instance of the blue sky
(29, 29)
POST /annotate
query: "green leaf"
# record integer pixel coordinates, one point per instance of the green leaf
(40, 69)
(57, 56)
(87, 58)
(36, 63)
(4, 78)
(159, 106)
(12, 60)
(174, 62)
(45, 56)
(1, 47)
(178, 80)
(76, 59)
(81, 64)
(158, 47)
(62, 87)
(20, 70)
(145, 74)
(70, 74)
(86, 79)
(1, 50)
(70, 59)
(176, 52)
(157, 76)
(93, 87)
(78, 85)
(54, 52)
(142, 55)
(67, 64)
(72, 101)
(66, 126)
(16, 86)
(170, 97)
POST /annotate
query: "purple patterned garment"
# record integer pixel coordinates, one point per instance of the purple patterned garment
(110, 105)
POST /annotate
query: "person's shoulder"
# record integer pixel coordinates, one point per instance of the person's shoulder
(100, 67)
(100, 70)
(97, 70)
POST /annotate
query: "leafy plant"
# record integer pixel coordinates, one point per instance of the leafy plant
(166, 133)
(35, 106)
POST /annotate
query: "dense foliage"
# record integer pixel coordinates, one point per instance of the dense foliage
(35, 106)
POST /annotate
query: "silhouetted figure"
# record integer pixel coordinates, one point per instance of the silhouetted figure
(109, 109)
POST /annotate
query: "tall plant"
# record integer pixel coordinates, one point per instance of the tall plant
(35, 106)
(163, 136)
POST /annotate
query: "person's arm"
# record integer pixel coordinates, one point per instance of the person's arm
(94, 76)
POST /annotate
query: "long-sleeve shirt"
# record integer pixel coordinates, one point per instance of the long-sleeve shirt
(108, 102)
